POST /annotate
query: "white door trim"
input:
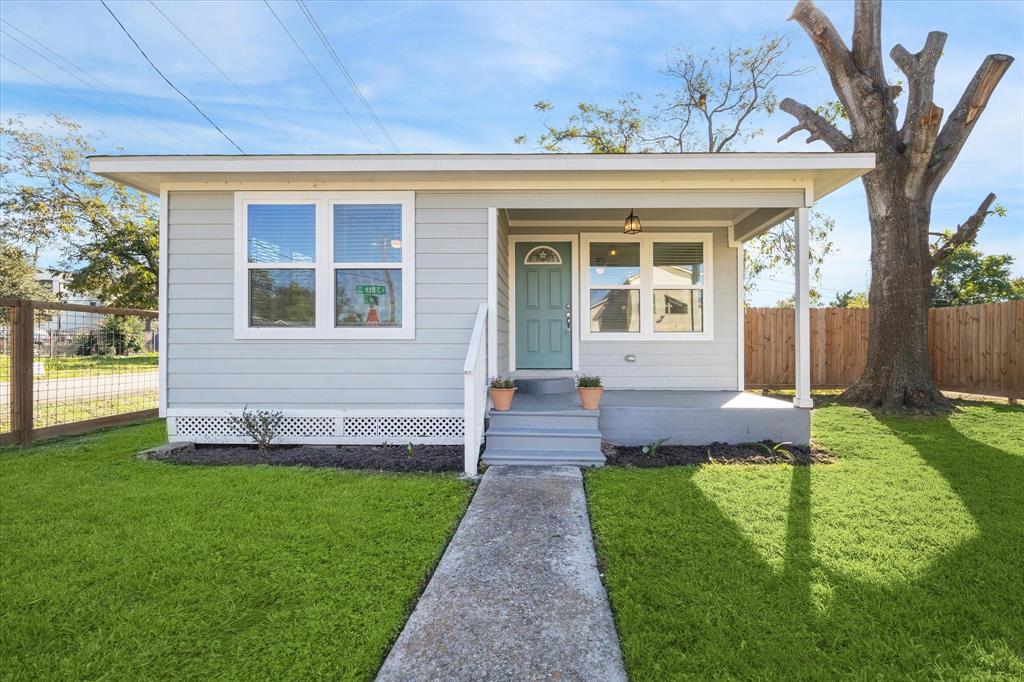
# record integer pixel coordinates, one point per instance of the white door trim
(574, 332)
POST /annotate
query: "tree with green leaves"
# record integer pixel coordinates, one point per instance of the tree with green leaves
(106, 232)
(813, 296)
(713, 106)
(850, 299)
(118, 259)
(18, 279)
(968, 277)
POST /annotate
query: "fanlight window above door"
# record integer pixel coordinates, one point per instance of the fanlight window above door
(543, 255)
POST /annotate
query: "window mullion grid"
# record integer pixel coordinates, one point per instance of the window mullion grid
(324, 274)
(646, 287)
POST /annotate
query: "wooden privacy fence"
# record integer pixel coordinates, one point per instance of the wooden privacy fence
(974, 349)
(67, 368)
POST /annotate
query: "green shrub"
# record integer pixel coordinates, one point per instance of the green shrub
(123, 334)
(588, 381)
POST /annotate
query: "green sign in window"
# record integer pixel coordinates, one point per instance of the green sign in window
(371, 289)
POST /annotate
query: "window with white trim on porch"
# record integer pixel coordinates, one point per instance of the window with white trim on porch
(648, 287)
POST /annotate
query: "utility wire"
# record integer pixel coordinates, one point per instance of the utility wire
(322, 79)
(73, 95)
(219, 70)
(105, 114)
(782, 281)
(168, 80)
(341, 67)
(111, 93)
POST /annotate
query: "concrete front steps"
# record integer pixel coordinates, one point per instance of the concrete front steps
(546, 426)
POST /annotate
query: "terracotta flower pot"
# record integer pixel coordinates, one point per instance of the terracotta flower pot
(590, 398)
(501, 398)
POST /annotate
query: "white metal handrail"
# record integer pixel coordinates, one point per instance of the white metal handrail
(475, 391)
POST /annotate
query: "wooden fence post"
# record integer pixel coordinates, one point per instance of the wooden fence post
(22, 356)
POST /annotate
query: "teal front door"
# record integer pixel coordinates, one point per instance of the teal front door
(543, 305)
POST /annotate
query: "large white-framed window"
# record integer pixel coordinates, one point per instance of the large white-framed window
(325, 265)
(646, 287)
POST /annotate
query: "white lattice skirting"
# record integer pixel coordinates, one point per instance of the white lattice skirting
(324, 429)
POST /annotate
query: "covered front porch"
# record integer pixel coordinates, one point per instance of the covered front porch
(657, 314)
(641, 284)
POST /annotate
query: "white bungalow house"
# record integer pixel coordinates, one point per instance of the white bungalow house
(369, 297)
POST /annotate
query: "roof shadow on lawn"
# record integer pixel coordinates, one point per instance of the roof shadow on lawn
(736, 615)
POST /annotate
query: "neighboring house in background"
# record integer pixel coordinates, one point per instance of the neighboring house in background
(57, 283)
(369, 296)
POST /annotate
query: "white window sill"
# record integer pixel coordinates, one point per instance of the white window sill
(663, 336)
(273, 334)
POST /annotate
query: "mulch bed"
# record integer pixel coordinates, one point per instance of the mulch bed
(424, 458)
(719, 453)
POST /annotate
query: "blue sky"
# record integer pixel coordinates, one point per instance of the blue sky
(447, 77)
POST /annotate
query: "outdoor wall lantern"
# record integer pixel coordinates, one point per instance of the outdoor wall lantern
(632, 224)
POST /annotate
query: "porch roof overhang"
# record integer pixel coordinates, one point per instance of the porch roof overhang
(815, 174)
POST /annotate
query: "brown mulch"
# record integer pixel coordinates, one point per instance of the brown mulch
(424, 458)
(719, 453)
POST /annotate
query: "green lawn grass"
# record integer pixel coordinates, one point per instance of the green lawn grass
(902, 560)
(65, 412)
(70, 366)
(114, 568)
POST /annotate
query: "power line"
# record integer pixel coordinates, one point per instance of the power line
(70, 94)
(107, 114)
(219, 70)
(341, 67)
(168, 80)
(322, 79)
(110, 92)
(782, 281)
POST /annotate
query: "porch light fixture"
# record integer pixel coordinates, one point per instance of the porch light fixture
(632, 224)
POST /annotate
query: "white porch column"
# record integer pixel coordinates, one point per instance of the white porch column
(802, 316)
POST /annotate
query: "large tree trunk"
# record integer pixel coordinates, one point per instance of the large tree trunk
(910, 162)
(898, 375)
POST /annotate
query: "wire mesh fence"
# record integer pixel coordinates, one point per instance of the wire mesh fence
(66, 368)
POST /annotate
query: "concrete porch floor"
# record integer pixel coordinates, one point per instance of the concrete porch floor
(631, 417)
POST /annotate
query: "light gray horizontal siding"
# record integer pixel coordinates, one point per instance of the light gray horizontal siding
(320, 399)
(209, 368)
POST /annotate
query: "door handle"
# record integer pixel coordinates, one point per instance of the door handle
(568, 316)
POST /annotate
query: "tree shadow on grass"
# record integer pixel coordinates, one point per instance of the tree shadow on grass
(736, 615)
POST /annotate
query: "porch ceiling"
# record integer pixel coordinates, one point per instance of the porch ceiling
(530, 217)
(747, 222)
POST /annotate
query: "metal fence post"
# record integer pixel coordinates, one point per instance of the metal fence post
(23, 323)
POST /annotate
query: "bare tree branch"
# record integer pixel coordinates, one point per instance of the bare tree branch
(964, 116)
(926, 129)
(867, 40)
(852, 86)
(920, 72)
(965, 233)
(816, 125)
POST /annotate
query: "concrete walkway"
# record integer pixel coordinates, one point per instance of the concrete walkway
(517, 595)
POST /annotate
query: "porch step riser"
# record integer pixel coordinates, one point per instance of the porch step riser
(502, 421)
(546, 386)
(543, 458)
(529, 443)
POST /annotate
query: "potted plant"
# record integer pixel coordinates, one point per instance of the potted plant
(502, 389)
(590, 390)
